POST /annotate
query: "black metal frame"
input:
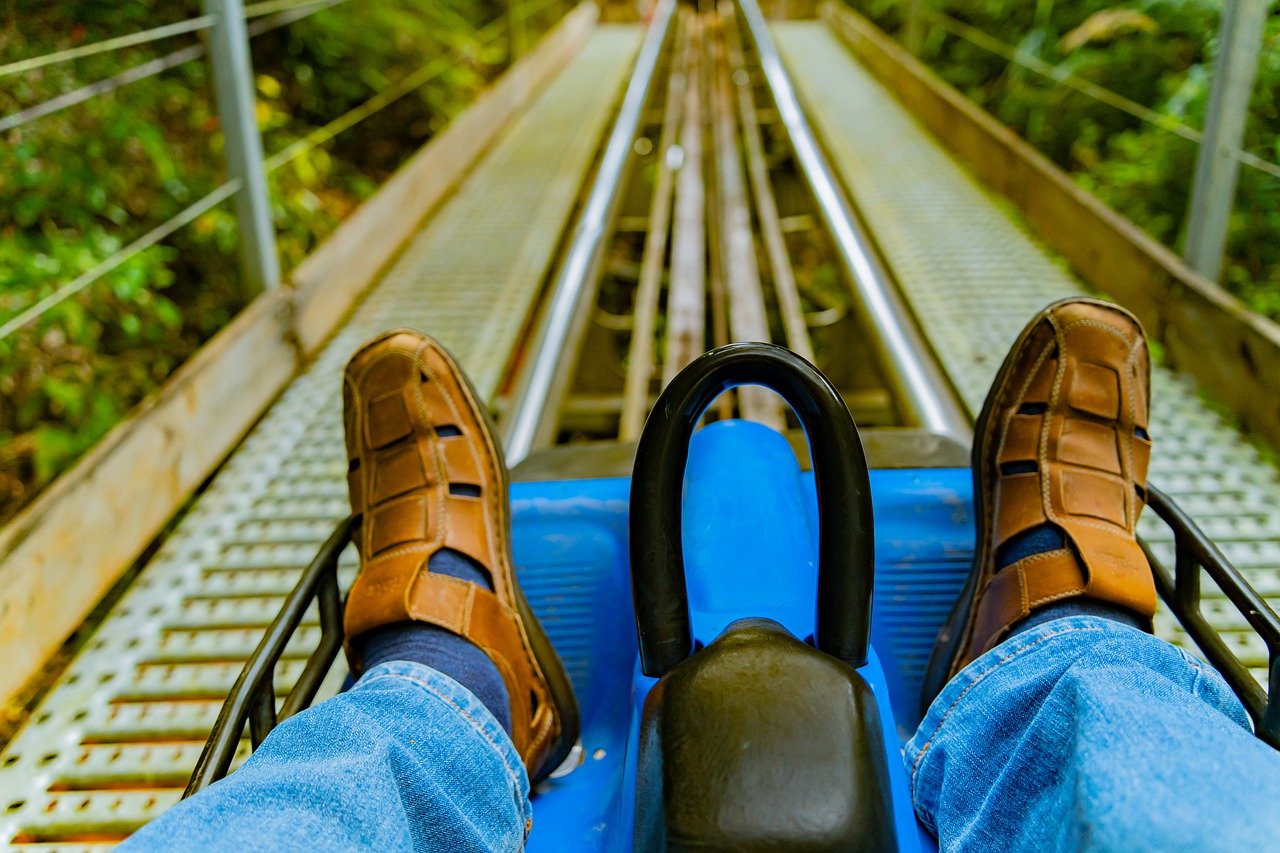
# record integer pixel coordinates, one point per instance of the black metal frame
(1194, 552)
(253, 697)
(846, 538)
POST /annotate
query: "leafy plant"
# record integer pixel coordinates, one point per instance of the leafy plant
(1158, 53)
(82, 183)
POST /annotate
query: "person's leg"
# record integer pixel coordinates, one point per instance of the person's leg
(1083, 733)
(464, 699)
(408, 759)
(1053, 719)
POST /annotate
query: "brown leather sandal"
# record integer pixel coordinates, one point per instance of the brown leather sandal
(1061, 441)
(426, 474)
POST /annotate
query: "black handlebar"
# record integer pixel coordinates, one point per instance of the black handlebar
(846, 547)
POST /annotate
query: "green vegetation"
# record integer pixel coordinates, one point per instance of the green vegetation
(1158, 53)
(80, 184)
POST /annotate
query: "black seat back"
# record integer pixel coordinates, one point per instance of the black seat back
(758, 741)
(761, 742)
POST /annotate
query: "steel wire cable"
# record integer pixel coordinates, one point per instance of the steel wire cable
(1021, 58)
(101, 87)
(106, 265)
(280, 15)
(267, 7)
(390, 94)
(321, 135)
(178, 28)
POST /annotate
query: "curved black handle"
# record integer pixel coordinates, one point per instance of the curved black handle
(846, 547)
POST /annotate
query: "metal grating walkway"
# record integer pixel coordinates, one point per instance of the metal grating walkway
(974, 275)
(112, 744)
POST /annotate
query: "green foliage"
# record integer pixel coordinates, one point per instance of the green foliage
(1158, 53)
(80, 184)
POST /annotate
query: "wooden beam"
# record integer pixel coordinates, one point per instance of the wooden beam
(748, 320)
(64, 551)
(1191, 316)
(61, 555)
(686, 294)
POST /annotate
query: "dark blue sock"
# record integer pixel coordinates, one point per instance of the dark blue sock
(1079, 607)
(443, 650)
(1037, 540)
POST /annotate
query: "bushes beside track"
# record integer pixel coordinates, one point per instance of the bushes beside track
(78, 185)
(1158, 53)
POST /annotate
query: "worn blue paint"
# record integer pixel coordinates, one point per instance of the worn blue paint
(750, 550)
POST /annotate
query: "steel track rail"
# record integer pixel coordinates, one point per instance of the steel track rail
(923, 394)
(544, 381)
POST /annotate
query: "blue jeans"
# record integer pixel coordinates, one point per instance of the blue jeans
(1078, 733)
(1082, 733)
(407, 759)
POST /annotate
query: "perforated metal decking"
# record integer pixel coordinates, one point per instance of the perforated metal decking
(973, 276)
(112, 744)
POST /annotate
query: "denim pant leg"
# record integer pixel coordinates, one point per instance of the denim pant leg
(1082, 733)
(408, 759)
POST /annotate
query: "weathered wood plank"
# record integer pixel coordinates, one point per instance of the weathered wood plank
(1207, 333)
(686, 293)
(60, 555)
(748, 320)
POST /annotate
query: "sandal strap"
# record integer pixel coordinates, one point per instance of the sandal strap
(1039, 580)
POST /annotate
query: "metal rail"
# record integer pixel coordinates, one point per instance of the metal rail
(544, 379)
(925, 396)
(1194, 552)
(973, 276)
(253, 698)
(635, 394)
(784, 279)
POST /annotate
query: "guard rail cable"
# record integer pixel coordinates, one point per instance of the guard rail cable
(281, 13)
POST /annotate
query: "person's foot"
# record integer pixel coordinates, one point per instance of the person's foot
(428, 490)
(1060, 456)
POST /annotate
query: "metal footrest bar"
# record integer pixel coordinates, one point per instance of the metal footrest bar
(253, 698)
(1196, 553)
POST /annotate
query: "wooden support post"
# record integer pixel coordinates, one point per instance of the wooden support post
(1213, 194)
(744, 293)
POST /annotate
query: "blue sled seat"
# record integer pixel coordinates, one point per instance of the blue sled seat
(750, 546)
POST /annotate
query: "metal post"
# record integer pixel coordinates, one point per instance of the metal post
(1213, 194)
(233, 86)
